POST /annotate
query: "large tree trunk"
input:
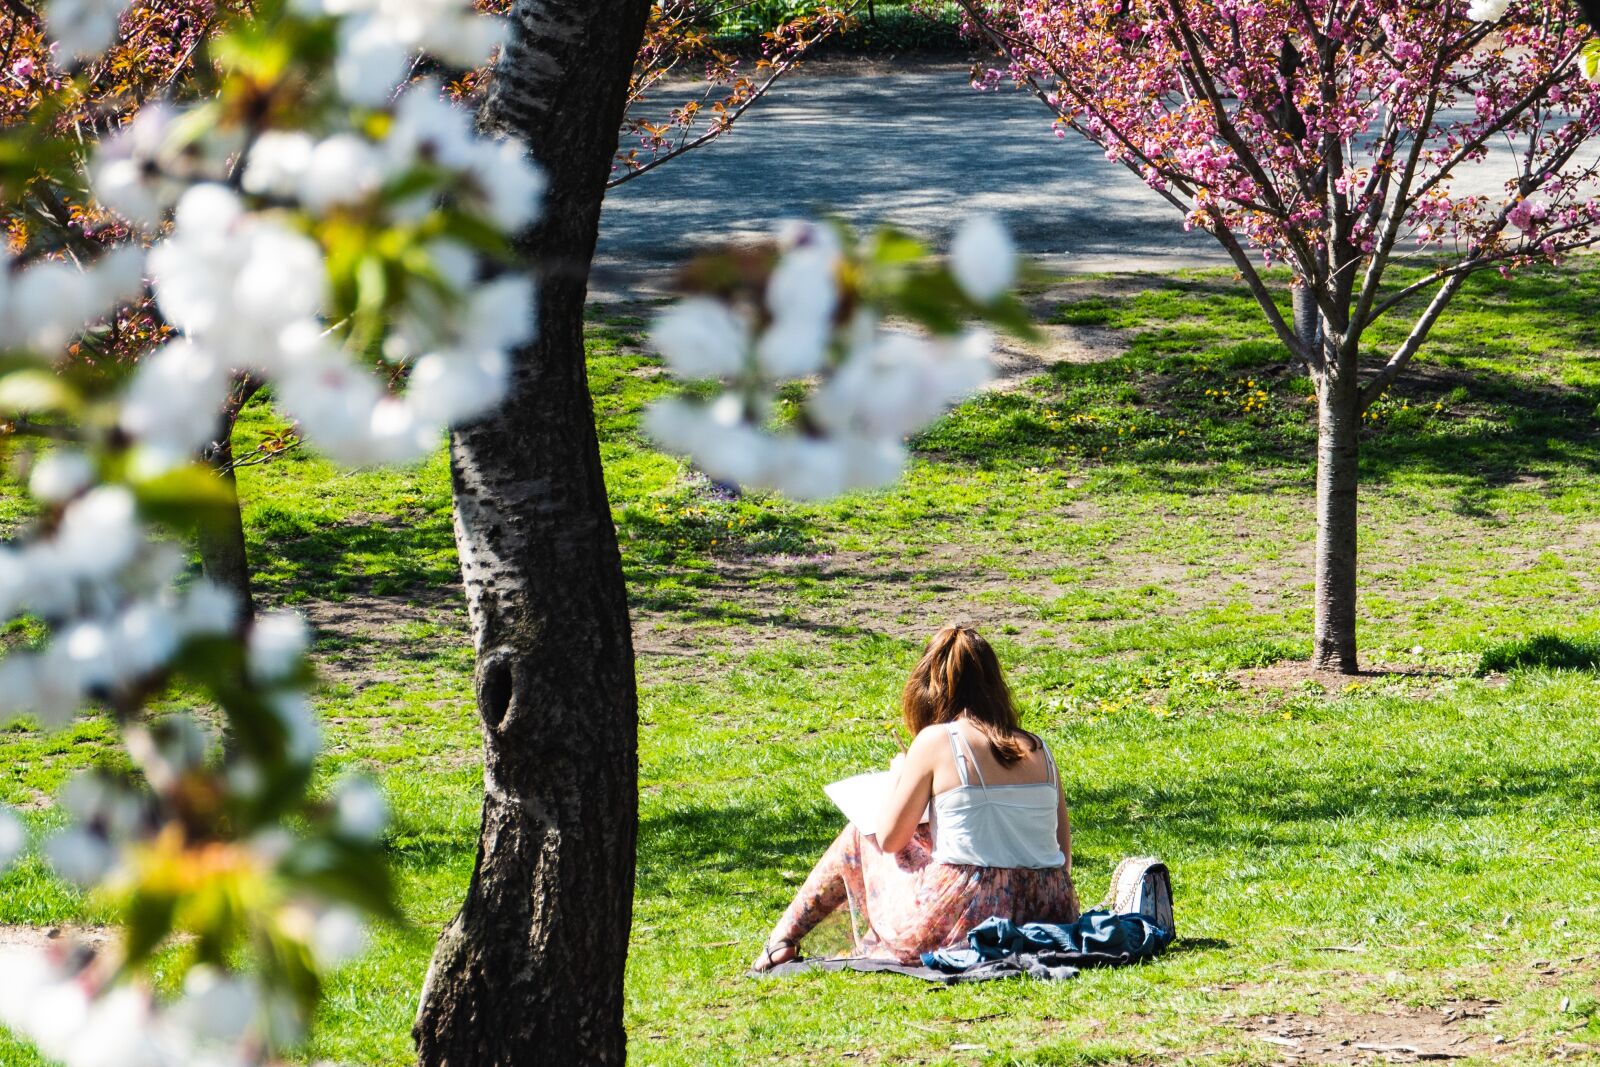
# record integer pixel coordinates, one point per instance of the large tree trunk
(223, 557)
(1338, 455)
(530, 971)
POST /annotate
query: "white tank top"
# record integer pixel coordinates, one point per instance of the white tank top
(995, 825)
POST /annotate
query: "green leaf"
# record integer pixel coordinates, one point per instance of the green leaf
(891, 248)
(477, 233)
(346, 872)
(37, 390)
(1589, 59)
(1011, 315)
(187, 497)
(149, 921)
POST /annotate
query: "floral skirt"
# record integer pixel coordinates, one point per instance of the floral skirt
(904, 904)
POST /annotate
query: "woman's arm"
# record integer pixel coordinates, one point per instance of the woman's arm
(909, 795)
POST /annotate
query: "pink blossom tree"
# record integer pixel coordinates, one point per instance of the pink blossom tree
(1333, 136)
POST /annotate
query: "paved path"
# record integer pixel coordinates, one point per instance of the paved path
(919, 148)
(916, 146)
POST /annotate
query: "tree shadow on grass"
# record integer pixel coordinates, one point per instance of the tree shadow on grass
(701, 847)
(752, 592)
(728, 613)
(1205, 393)
(1171, 427)
(383, 555)
(1275, 811)
(706, 844)
(1542, 651)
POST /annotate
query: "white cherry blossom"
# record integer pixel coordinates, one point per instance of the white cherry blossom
(80, 856)
(58, 477)
(338, 936)
(360, 810)
(13, 837)
(136, 170)
(804, 286)
(99, 533)
(701, 338)
(342, 170)
(242, 278)
(983, 259)
(171, 404)
(216, 1006)
(454, 386)
(207, 610)
(874, 386)
(50, 303)
(429, 129)
(378, 38)
(278, 163)
(235, 281)
(508, 186)
(303, 737)
(118, 277)
(278, 643)
(793, 347)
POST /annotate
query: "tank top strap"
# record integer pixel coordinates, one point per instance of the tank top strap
(964, 756)
(1050, 760)
(970, 757)
(955, 751)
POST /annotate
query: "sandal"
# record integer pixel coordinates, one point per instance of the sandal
(765, 961)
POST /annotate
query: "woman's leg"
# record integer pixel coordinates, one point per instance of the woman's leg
(820, 896)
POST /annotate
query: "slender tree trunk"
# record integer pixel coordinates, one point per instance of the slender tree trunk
(223, 557)
(1338, 454)
(1307, 319)
(530, 971)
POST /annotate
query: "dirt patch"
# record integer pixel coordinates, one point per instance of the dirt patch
(25, 938)
(1037, 595)
(1018, 361)
(1400, 1035)
(1301, 675)
(375, 634)
(843, 594)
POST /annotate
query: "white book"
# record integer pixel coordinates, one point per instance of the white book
(863, 797)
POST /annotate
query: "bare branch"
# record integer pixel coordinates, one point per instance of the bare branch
(725, 122)
(1376, 387)
(1558, 73)
(1391, 232)
(721, 126)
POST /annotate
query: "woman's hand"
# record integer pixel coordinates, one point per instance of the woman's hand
(897, 764)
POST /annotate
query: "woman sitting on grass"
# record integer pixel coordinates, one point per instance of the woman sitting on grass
(997, 842)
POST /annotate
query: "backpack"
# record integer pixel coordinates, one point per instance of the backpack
(1142, 885)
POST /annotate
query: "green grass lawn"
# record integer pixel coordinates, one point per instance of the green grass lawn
(1135, 535)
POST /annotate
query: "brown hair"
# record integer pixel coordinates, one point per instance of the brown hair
(959, 674)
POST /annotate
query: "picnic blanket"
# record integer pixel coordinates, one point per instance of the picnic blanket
(999, 948)
(1097, 938)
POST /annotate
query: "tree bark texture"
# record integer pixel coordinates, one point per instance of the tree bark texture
(223, 557)
(1338, 457)
(1307, 318)
(530, 971)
